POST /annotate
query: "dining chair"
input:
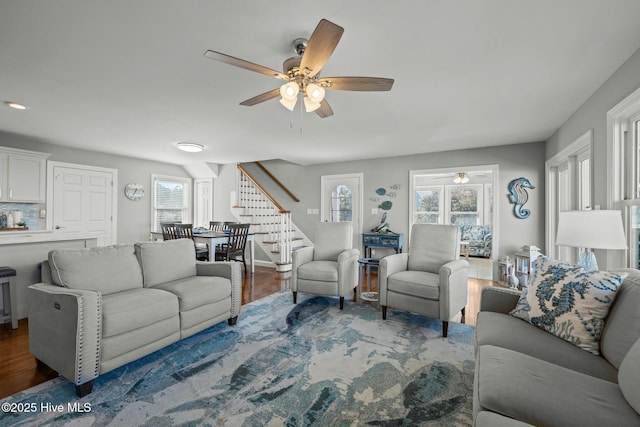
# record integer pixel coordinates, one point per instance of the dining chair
(168, 231)
(185, 231)
(216, 226)
(236, 245)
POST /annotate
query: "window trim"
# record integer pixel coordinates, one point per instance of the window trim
(581, 148)
(495, 217)
(187, 209)
(618, 119)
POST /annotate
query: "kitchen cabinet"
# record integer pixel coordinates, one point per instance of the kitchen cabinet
(23, 176)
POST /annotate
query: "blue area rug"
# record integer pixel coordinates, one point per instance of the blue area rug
(308, 364)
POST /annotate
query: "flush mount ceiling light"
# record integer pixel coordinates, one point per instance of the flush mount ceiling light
(190, 147)
(461, 178)
(15, 105)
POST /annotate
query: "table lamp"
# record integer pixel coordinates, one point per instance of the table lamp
(591, 230)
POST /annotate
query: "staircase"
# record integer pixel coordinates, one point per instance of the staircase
(271, 223)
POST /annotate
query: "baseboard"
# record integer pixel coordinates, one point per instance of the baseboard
(262, 263)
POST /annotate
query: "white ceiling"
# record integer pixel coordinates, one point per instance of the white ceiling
(129, 77)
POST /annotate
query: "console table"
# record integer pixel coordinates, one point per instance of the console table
(378, 240)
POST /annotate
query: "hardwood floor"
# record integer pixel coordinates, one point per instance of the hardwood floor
(18, 370)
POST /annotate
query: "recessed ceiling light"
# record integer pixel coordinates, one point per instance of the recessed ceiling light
(15, 105)
(190, 147)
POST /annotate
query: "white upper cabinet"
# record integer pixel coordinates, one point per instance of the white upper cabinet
(22, 176)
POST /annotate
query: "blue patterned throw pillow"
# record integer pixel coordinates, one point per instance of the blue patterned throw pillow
(568, 301)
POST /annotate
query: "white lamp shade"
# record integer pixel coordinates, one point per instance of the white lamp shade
(315, 93)
(289, 92)
(309, 105)
(288, 104)
(591, 229)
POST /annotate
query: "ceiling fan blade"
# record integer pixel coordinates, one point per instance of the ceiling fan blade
(357, 83)
(228, 59)
(262, 97)
(324, 110)
(321, 45)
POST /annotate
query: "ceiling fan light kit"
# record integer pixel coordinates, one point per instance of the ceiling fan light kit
(301, 73)
(461, 178)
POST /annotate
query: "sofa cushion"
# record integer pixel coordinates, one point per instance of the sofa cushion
(197, 291)
(125, 311)
(502, 330)
(167, 260)
(569, 302)
(629, 377)
(544, 394)
(106, 269)
(418, 283)
(622, 327)
(321, 271)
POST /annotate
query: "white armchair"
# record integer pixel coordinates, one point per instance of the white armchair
(330, 267)
(430, 280)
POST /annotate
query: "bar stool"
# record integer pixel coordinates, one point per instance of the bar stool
(9, 304)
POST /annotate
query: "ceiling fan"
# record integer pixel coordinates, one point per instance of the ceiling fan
(302, 73)
(461, 177)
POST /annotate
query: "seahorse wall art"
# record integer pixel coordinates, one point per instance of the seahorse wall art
(518, 196)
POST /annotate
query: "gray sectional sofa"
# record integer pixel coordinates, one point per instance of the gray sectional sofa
(527, 376)
(98, 309)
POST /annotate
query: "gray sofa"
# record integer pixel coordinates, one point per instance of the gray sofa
(98, 309)
(527, 376)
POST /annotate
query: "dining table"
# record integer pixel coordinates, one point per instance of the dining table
(213, 238)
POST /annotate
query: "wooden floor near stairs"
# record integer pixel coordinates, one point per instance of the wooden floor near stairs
(18, 370)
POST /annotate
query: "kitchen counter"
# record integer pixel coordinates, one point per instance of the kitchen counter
(25, 250)
(36, 236)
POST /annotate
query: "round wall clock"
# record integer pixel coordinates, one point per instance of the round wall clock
(134, 191)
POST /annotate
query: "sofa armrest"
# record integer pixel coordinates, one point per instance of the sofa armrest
(499, 300)
(229, 270)
(454, 276)
(389, 265)
(65, 330)
(299, 257)
(347, 271)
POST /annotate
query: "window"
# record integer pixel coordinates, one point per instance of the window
(623, 175)
(341, 204)
(568, 188)
(428, 205)
(171, 200)
(436, 199)
(464, 204)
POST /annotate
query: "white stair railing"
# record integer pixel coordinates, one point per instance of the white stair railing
(268, 220)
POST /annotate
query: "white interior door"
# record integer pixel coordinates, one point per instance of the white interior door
(202, 202)
(83, 202)
(341, 200)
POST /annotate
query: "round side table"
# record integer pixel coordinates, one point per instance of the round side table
(366, 264)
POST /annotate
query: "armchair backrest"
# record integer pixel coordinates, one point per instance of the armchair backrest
(432, 246)
(330, 239)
